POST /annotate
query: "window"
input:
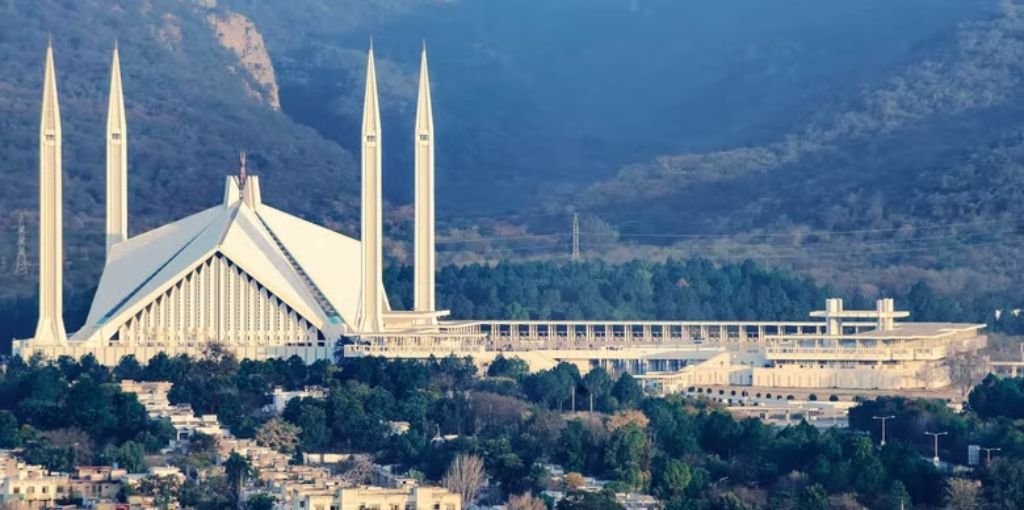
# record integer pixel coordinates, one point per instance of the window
(115, 136)
(46, 490)
(424, 137)
(17, 490)
(50, 137)
(31, 490)
(371, 138)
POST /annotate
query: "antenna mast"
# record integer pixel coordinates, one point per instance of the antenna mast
(575, 237)
(21, 262)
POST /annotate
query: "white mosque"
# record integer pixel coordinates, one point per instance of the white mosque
(265, 284)
(254, 278)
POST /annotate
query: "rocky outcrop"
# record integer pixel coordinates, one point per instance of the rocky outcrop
(239, 34)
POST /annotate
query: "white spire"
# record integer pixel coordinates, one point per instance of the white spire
(50, 329)
(423, 142)
(117, 159)
(371, 301)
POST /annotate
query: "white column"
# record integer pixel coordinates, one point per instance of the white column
(50, 329)
(424, 153)
(117, 160)
(371, 301)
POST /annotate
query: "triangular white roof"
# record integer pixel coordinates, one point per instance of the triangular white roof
(273, 247)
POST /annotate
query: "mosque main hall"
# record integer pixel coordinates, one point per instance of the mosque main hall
(262, 283)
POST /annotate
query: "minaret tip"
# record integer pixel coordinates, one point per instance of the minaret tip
(242, 171)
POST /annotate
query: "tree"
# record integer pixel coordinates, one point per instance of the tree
(279, 435)
(465, 477)
(128, 368)
(672, 479)
(9, 437)
(163, 489)
(574, 481)
(813, 497)
(962, 494)
(130, 456)
(626, 456)
(513, 367)
(628, 417)
(1002, 483)
(966, 369)
(575, 446)
(627, 391)
(525, 501)
(598, 385)
(260, 501)
(898, 498)
(589, 501)
(237, 469)
(312, 422)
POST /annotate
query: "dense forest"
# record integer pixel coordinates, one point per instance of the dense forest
(691, 454)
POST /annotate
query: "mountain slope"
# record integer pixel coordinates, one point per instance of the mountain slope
(193, 103)
(535, 97)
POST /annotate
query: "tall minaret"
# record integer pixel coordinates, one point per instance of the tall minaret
(51, 250)
(371, 301)
(423, 141)
(117, 159)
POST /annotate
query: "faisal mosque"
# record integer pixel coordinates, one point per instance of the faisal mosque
(262, 283)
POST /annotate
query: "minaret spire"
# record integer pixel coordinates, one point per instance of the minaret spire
(50, 329)
(371, 302)
(423, 140)
(117, 158)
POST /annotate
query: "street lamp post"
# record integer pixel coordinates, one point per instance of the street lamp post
(883, 420)
(936, 435)
(988, 453)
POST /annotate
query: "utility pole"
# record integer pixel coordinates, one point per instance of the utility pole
(883, 420)
(21, 261)
(936, 435)
(988, 453)
(575, 237)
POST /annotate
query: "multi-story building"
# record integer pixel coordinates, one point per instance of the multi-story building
(369, 498)
(28, 486)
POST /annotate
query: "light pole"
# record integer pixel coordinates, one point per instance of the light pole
(936, 435)
(883, 420)
(988, 453)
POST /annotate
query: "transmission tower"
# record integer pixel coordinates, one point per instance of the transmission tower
(575, 237)
(21, 262)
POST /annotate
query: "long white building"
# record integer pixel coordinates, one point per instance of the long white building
(263, 283)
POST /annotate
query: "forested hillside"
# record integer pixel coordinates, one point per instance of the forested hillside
(868, 144)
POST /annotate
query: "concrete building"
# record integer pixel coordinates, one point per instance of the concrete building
(368, 498)
(262, 283)
(28, 486)
(281, 397)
